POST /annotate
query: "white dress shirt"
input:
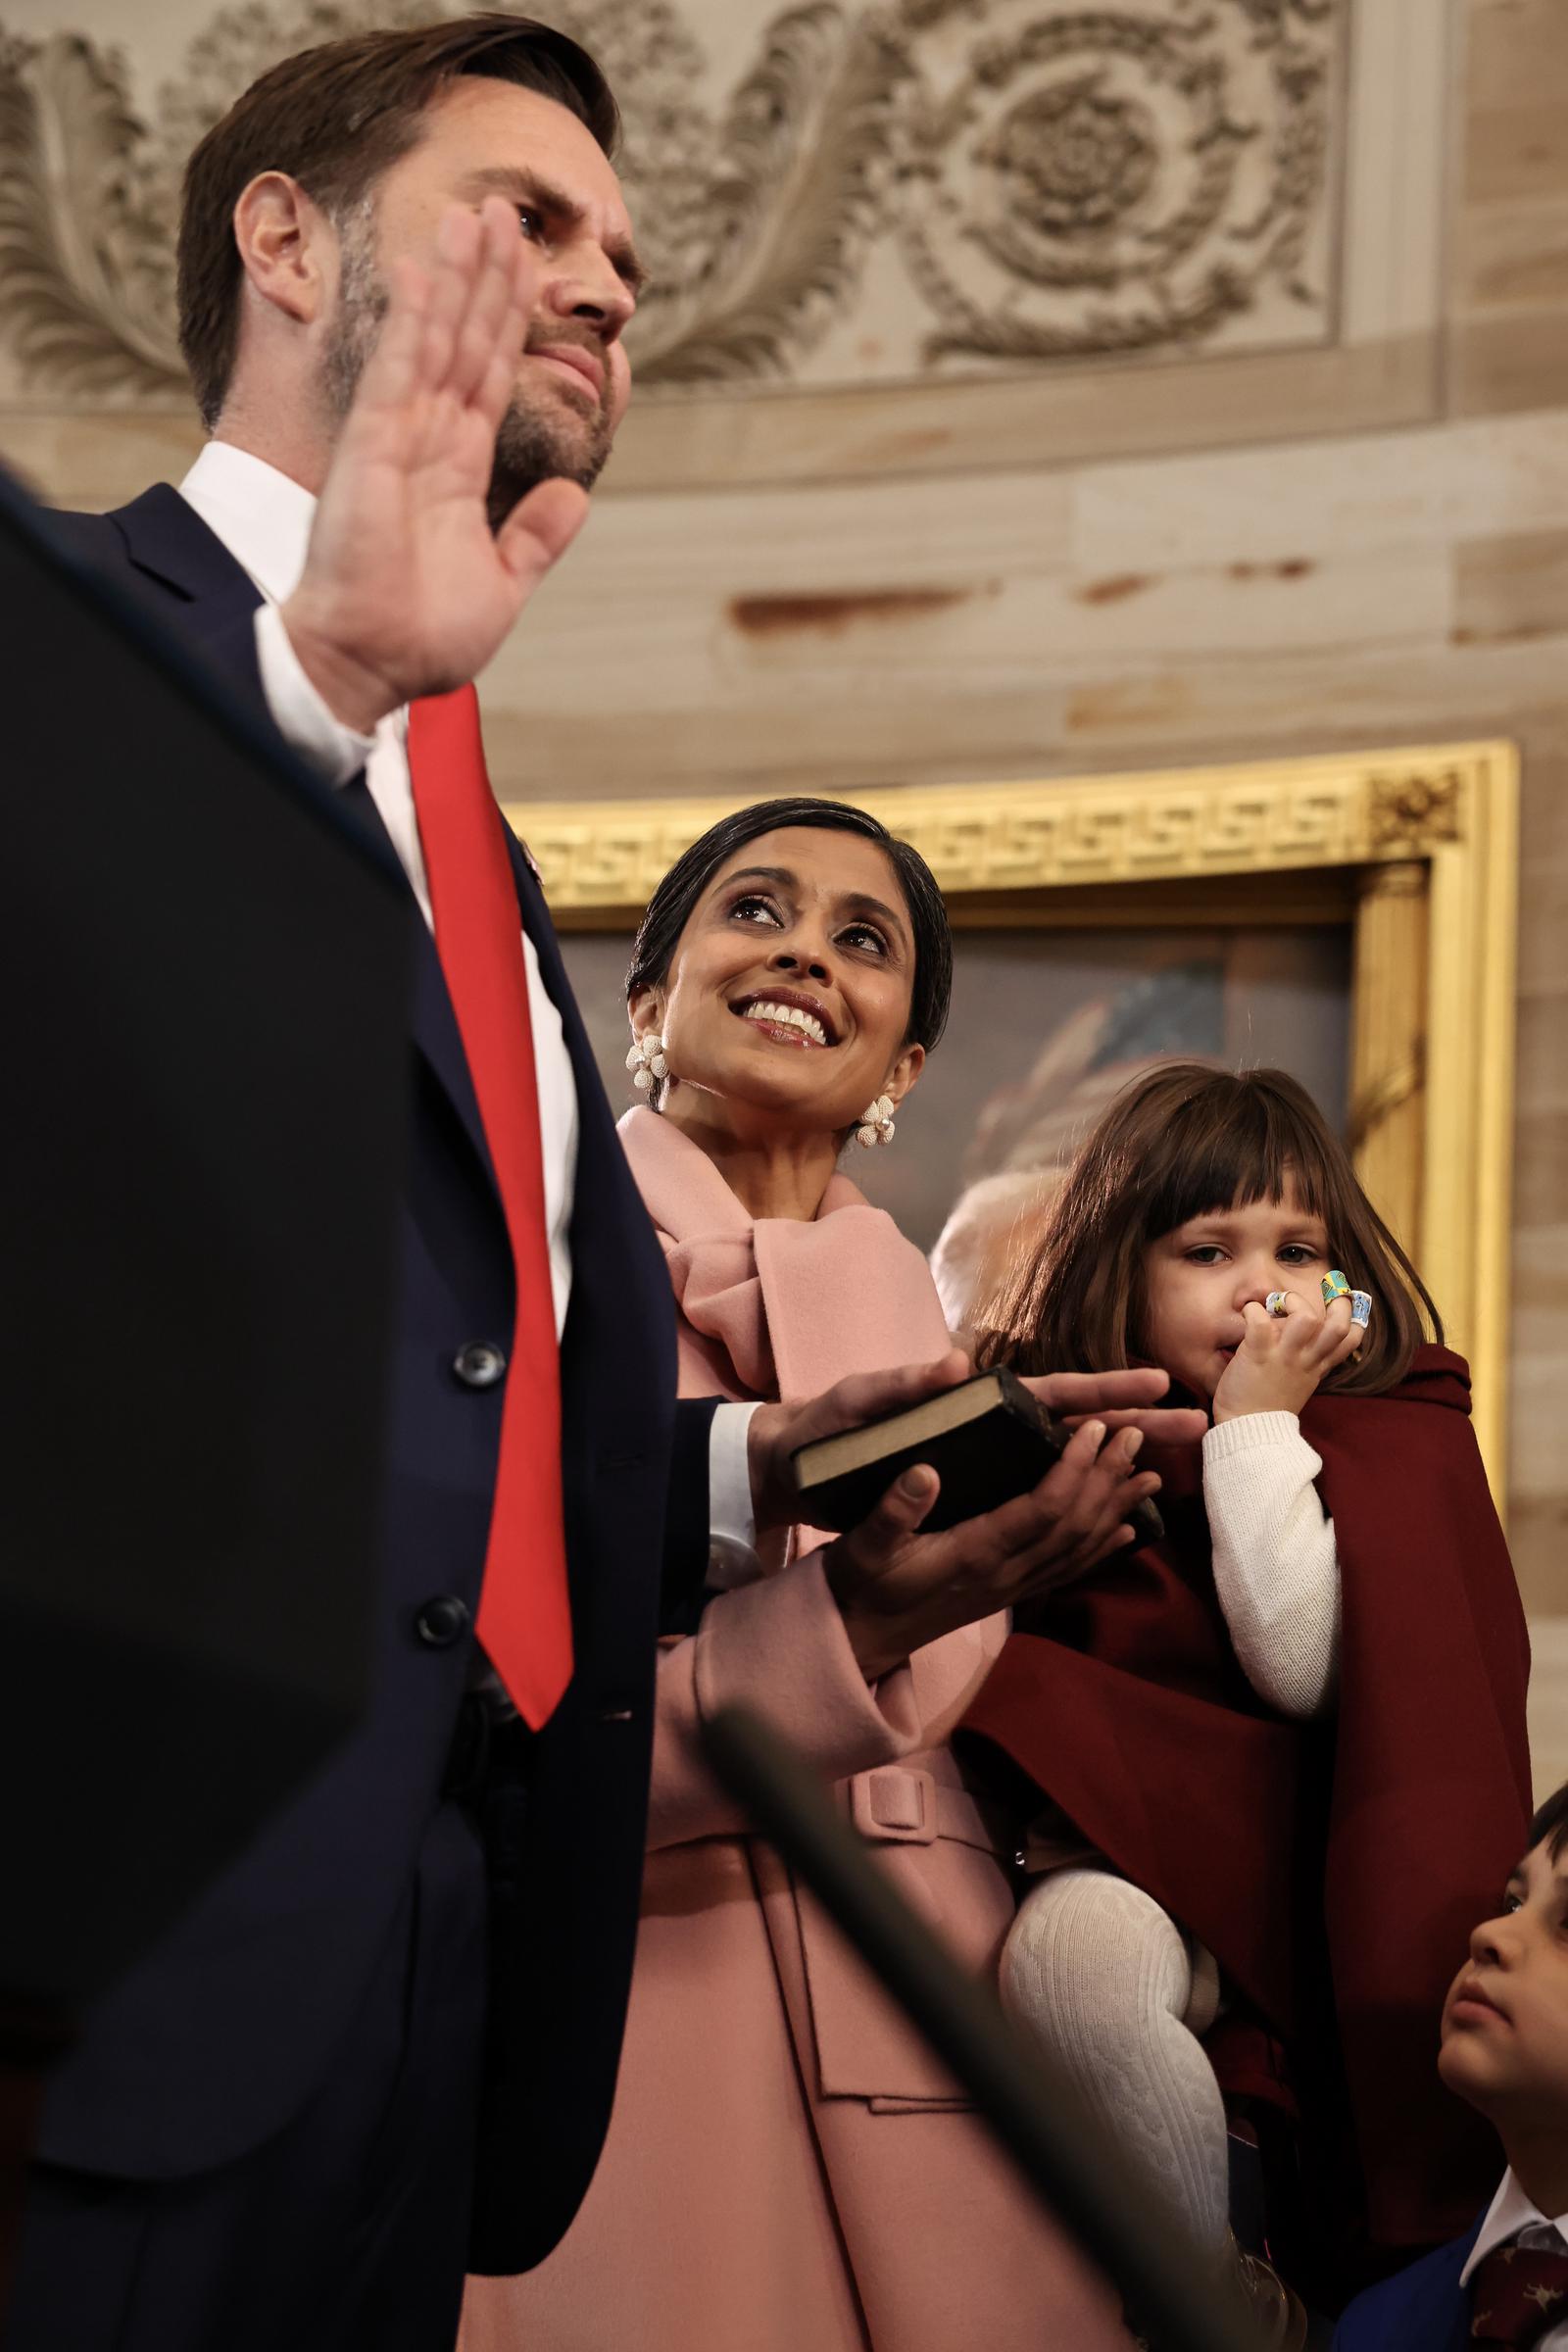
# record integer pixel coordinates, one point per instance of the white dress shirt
(1511, 2215)
(264, 519)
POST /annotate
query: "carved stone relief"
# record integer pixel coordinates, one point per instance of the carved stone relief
(856, 194)
(1088, 182)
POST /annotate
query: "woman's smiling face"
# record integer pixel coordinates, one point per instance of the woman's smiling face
(788, 992)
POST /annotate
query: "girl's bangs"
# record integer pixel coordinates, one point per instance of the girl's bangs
(1232, 1143)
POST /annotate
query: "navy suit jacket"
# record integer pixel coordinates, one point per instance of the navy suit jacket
(220, 2036)
(1422, 2309)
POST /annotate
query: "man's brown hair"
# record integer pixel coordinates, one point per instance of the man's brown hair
(335, 117)
(1181, 1141)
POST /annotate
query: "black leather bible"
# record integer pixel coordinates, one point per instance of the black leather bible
(988, 1440)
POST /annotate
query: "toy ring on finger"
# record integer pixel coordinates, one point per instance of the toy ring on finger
(1278, 1303)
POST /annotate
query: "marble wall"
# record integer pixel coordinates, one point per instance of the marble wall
(888, 539)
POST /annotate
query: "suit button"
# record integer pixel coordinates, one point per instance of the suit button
(479, 1364)
(442, 1621)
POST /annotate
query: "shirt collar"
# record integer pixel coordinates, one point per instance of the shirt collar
(263, 517)
(1509, 2212)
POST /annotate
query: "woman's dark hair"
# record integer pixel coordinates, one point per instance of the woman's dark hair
(335, 117)
(1180, 1141)
(669, 910)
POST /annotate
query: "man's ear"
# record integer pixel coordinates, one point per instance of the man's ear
(905, 1074)
(287, 247)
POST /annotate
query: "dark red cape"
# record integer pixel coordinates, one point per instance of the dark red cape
(1344, 1863)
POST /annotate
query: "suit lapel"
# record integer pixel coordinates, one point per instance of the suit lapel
(439, 1040)
(431, 1020)
(604, 1188)
(168, 540)
(435, 1025)
(552, 971)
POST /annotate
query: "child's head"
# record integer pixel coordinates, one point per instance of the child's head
(1505, 2020)
(1197, 1190)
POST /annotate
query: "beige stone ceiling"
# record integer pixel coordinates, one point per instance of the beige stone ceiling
(1042, 201)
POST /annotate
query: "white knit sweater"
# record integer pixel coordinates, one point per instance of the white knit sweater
(1276, 1569)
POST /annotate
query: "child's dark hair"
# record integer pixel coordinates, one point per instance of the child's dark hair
(1180, 1141)
(1550, 1824)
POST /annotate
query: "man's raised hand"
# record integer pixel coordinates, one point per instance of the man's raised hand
(406, 589)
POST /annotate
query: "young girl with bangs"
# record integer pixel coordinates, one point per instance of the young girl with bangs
(1281, 1755)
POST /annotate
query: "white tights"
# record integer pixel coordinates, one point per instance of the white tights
(1113, 1991)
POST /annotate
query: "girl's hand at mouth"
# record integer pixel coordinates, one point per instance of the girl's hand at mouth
(1283, 1357)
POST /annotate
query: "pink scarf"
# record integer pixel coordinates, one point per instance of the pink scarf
(780, 1307)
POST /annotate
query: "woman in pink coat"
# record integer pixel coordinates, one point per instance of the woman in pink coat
(788, 2169)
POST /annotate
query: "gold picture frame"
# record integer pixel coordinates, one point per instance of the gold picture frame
(1416, 848)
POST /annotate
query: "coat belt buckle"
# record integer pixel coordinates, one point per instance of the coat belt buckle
(896, 1804)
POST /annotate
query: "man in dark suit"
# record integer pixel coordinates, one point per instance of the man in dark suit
(386, 2041)
(1505, 2047)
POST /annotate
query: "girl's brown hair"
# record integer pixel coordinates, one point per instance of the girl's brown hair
(1181, 1142)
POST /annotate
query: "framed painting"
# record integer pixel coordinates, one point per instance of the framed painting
(1350, 917)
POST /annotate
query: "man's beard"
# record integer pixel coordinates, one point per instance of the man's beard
(533, 442)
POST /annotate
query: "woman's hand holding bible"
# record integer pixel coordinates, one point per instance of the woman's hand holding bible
(897, 1589)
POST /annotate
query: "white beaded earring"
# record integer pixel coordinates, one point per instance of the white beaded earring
(876, 1124)
(646, 1062)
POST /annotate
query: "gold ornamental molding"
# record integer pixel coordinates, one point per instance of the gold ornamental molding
(1421, 848)
(1342, 810)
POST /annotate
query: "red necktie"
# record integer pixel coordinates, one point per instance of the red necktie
(524, 1620)
(1517, 2294)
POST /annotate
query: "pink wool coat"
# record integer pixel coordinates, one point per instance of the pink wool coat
(788, 2170)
